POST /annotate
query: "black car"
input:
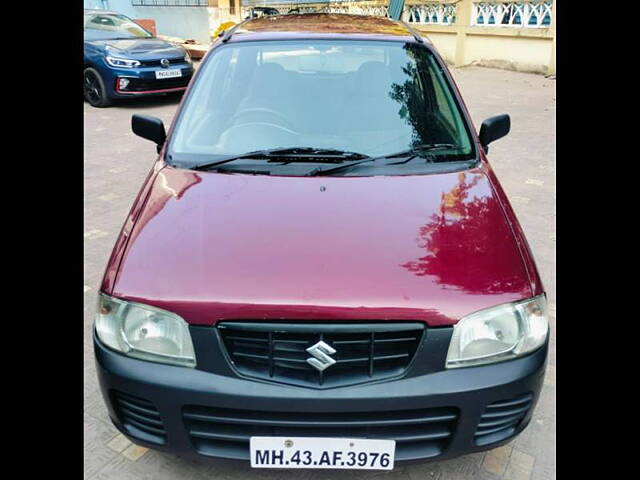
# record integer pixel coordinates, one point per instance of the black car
(263, 11)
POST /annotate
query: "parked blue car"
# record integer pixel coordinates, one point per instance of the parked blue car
(122, 59)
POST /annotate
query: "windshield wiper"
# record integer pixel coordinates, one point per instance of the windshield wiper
(291, 154)
(411, 153)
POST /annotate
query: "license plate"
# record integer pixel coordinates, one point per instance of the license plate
(307, 452)
(168, 73)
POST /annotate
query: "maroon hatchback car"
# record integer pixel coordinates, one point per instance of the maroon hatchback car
(321, 269)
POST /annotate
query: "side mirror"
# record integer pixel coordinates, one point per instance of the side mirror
(494, 128)
(150, 128)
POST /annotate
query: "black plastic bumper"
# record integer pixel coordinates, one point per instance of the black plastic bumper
(177, 395)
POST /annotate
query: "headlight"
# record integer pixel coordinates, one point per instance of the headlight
(499, 333)
(122, 62)
(144, 332)
(187, 57)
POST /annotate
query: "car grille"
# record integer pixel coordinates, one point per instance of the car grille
(500, 419)
(364, 352)
(226, 432)
(156, 63)
(140, 417)
(141, 85)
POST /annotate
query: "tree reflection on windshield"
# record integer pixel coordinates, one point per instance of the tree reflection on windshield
(420, 106)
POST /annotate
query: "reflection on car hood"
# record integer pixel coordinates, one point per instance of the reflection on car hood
(140, 48)
(212, 246)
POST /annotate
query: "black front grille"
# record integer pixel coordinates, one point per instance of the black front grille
(500, 419)
(423, 433)
(156, 63)
(278, 352)
(141, 85)
(140, 417)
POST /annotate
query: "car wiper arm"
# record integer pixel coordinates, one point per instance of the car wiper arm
(291, 154)
(411, 152)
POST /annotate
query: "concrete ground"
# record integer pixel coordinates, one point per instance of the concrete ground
(116, 163)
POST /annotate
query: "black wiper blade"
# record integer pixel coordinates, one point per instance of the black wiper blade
(416, 151)
(291, 154)
(231, 158)
(410, 152)
(247, 171)
(425, 147)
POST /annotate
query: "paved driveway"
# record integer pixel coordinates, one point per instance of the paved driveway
(116, 163)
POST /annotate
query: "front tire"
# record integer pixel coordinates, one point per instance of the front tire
(94, 90)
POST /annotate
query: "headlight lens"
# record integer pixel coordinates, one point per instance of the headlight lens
(144, 332)
(122, 62)
(187, 57)
(499, 333)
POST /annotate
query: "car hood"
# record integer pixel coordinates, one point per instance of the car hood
(139, 48)
(212, 246)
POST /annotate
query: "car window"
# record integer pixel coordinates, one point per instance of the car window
(369, 97)
(106, 25)
(445, 102)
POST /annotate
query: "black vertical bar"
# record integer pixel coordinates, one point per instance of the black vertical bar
(271, 362)
(371, 352)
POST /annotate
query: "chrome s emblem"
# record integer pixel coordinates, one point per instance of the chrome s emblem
(321, 359)
(164, 62)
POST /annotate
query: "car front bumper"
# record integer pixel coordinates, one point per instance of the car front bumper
(432, 416)
(143, 81)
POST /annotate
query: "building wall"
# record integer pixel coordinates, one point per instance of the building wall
(514, 47)
(445, 43)
(184, 22)
(515, 53)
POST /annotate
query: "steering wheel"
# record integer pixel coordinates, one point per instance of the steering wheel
(282, 119)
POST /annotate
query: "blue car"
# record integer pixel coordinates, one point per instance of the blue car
(122, 59)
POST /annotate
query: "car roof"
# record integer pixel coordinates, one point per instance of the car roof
(313, 25)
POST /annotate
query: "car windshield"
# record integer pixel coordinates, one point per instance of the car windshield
(104, 26)
(373, 98)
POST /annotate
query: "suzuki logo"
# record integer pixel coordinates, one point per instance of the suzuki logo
(164, 62)
(321, 359)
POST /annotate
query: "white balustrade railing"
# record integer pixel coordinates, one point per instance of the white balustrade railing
(527, 14)
(431, 13)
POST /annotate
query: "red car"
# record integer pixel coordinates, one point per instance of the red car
(321, 269)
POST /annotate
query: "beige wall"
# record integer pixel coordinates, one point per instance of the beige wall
(445, 43)
(521, 53)
(522, 49)
(517, 53)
